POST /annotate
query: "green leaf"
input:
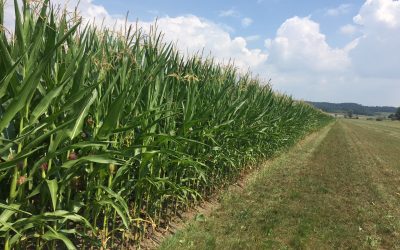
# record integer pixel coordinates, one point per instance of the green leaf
(6, 80)
(118, 209)
(35, 191)
(13, 207)
(44, 103)
(119, 198)
(53, 188)
(10, 210)
(104, 158)
(53, 235)
(66, 215)
(112, 118)
(15, 239)
(77, 127)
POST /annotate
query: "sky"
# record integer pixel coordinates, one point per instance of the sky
(335, 51)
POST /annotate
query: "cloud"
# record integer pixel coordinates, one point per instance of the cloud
(348, 29)
(9, 16)
(366, 70)
(300, 46)
(340, 10)
(193, 34)
(246, 22)
(377, 53)
(229, 13)
(379, 13)
(252, 38)
(226, 27)
(301, 62)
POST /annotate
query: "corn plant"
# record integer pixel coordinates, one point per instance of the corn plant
(105, 136)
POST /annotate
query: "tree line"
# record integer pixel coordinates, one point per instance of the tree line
(355, 108)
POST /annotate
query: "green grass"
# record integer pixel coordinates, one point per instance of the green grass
(336, 189)
(106, 135)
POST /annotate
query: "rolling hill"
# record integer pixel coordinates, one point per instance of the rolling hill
(354, 107)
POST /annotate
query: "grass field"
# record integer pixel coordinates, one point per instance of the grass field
(338, 188)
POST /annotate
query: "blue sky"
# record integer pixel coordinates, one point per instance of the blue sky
(336, 51)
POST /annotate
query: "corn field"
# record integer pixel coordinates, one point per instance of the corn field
(107, 136)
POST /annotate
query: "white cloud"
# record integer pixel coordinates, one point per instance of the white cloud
(229, 13)
(246, 22)
(226, 27)
(300, 46)
(268, 43)
(348, 29)
(351, 45)
(9, 16)
(340, 10)
(195, 34)
(252, 38)
(377, 53)
(366, 70)
(302, 63)
(379, 13)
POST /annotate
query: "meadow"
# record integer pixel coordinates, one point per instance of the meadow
(107, 135)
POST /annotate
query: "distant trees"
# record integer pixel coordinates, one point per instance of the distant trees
(395, 116)
(357, 109)
(350, 113)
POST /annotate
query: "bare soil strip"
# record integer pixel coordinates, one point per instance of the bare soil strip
(337, 189)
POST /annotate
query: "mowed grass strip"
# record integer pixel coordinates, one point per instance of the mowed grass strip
(336, 189)
(391, 128)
